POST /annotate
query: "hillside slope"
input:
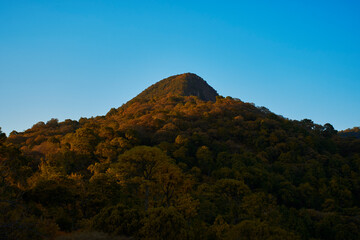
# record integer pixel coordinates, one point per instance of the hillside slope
(187, 84)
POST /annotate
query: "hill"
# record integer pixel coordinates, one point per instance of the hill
(181, 162)
(187, 84)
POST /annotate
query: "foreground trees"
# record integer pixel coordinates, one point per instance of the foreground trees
(149, 174)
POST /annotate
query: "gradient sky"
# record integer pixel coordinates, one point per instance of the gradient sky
(68, 59)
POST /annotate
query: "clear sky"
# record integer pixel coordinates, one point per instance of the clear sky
(68, 59)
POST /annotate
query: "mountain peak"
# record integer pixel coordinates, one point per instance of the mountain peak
(186, 84)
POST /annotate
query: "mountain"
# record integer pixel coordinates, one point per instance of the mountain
(180, 162)
(187, 84)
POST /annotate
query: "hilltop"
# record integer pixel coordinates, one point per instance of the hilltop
(187, 84)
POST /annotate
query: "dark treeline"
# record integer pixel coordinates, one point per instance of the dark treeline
(178, 167)
(352, 132)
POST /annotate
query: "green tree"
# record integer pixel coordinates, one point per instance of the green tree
(142, 167)
(257, 230)
(163, 224)
(119, 220)
(205, 159)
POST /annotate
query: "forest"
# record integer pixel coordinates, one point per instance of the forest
(180, 164)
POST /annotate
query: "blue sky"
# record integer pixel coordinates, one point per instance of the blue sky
(68, 59)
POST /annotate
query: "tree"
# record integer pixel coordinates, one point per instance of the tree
(119, 220)
(141, 166)
(231, 193)
(259, 205)
(83, 141)
(329, 130)
(220, 227)
(2, 136)
(171, 182)
(257, 230)
(205, 159)
(164, 223)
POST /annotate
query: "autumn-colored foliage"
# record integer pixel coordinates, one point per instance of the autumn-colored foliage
(172, 166)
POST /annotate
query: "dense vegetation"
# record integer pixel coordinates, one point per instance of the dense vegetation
(352, 132)
(187, 84)
(178, 167)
